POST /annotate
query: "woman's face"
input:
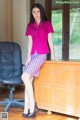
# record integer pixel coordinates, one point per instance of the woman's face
(36, 13)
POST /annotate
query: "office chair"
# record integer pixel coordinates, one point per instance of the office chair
(10, 72)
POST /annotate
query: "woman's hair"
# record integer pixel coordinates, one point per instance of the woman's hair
(42, 12)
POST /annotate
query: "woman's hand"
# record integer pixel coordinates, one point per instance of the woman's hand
(28, 61)
(53, 58)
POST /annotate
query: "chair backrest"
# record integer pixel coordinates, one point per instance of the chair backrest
(10, 60)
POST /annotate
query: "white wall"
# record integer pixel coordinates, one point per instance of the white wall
(2, 20)
(20, 19)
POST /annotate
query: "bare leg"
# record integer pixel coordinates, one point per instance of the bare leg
(29, 88)
(31, 79)
(26, 106)
(26, 98)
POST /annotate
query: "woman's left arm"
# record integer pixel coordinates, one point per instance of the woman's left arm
(51, 47)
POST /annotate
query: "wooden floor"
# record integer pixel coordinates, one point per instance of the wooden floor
(16, 113)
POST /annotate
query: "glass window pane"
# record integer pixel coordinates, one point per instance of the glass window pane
(57, 36)
(74, 44)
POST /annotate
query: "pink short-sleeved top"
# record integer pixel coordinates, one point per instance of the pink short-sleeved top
(39, 35)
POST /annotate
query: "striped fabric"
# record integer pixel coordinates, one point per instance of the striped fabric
(36, 62)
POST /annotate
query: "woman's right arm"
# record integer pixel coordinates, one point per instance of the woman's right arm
(29, 49)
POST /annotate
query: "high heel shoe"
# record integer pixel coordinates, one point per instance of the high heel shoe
(25, 115)
(33, 114)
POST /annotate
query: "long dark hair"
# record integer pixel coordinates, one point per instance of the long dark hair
(42, 12)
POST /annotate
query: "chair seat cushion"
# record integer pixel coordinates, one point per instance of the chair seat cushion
(13, 81)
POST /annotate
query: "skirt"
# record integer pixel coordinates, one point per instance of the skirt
(33, 68)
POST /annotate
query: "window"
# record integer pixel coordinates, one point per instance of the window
(74, 43)
(74, 40)
(57, 36)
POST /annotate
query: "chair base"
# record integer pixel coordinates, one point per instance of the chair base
(8, 103)
(11, 101)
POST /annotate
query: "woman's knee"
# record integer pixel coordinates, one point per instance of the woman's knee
(25, 76)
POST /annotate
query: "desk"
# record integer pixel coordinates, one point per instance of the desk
(57, 88)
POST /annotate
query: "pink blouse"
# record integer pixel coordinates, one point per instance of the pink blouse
(39, 35)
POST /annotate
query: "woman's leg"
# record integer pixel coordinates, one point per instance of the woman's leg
(26, 97)
(31, 79)
(26, 106)
(29, 89)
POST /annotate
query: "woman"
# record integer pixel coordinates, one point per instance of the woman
(39, 32)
